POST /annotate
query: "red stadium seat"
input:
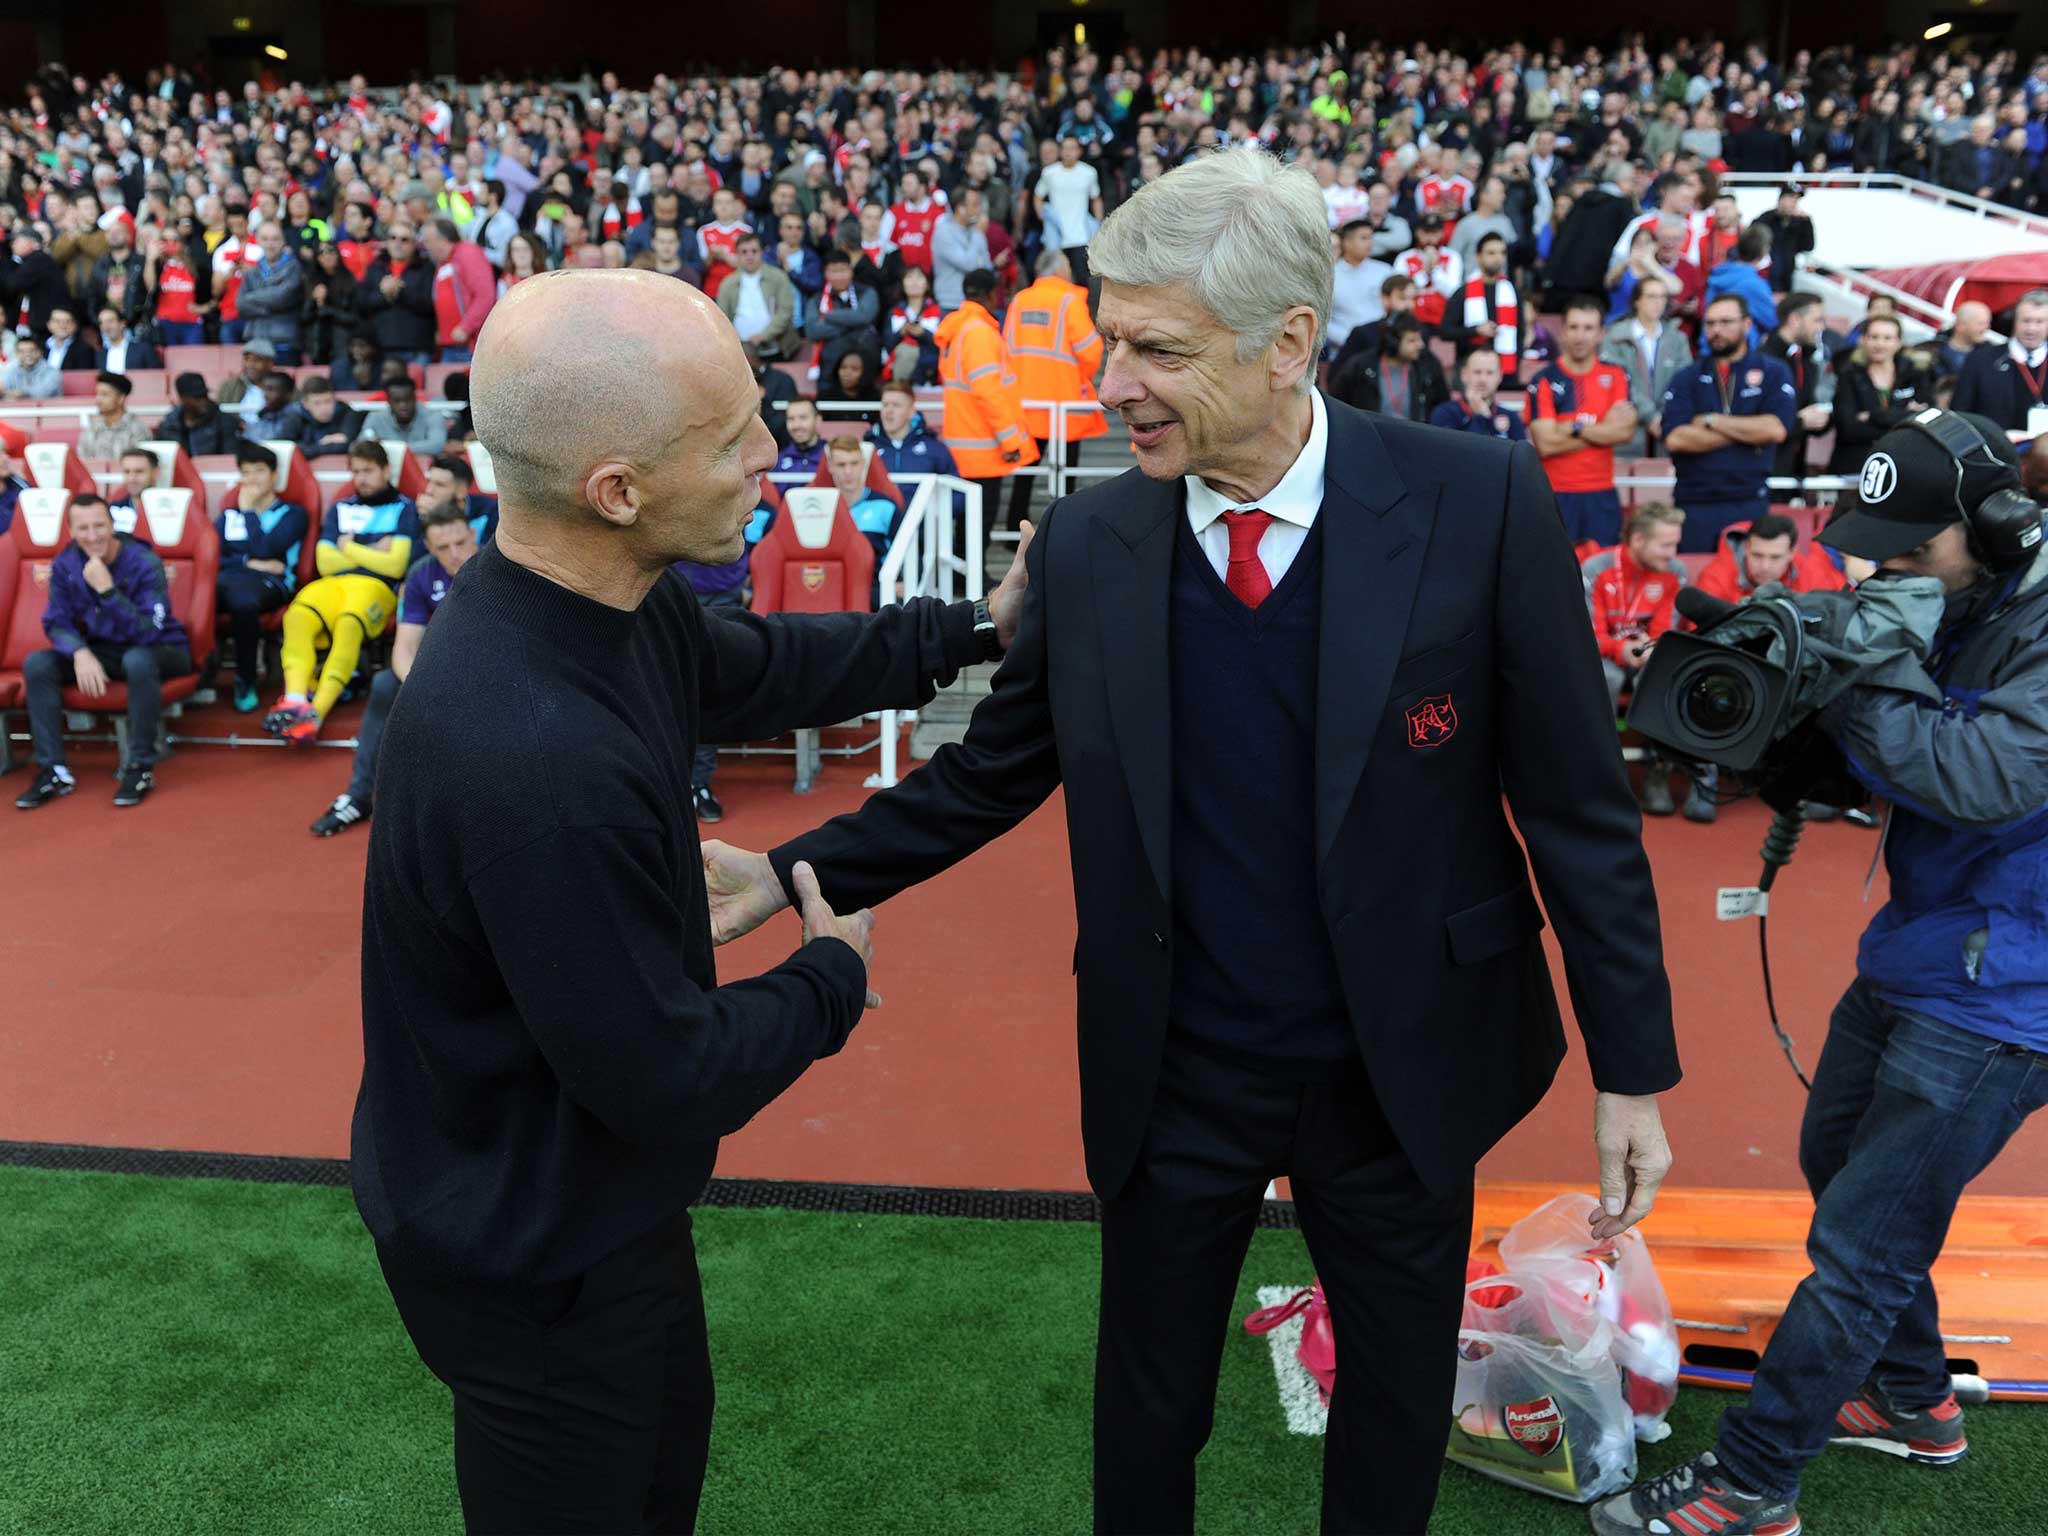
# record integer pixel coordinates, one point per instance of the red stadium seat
(37, 534)
(1696, 561)
(78, 381)
(407, 472)
(10, 682)
(197, 360)
(438, 375)
(184, 540)
(813, 560)
(218, 475)
(174, 466)
(151, 386)
(53, 464)
(877, 477)
(51, 429)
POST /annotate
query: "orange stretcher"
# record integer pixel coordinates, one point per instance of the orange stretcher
(1731, 1258)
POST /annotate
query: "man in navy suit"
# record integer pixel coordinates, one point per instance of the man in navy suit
(1285, 672)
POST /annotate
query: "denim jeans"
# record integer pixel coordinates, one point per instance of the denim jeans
(181, 333)
(1905, 1112)
(707, 751)
(455, 354)
(370, 734)
(142, 667)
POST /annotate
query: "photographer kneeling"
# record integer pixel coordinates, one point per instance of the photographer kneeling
(1935, 1055)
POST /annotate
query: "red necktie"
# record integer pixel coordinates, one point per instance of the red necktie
(1246, 574)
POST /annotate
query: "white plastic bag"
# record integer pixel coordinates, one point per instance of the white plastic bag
(1538, 1400)
(1626, 1291)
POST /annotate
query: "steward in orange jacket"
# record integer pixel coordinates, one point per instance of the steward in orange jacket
(1054, 349)
(983, 424)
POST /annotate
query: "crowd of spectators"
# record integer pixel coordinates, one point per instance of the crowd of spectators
(866, 231)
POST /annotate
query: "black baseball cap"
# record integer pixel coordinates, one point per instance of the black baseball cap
(1912, 487)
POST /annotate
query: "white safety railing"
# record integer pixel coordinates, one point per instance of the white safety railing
(920, 563)
(81, 410)
(1821, 489)
(1847, 292)
(1888, 181)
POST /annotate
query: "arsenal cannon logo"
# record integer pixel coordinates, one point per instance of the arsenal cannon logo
(1432, 722)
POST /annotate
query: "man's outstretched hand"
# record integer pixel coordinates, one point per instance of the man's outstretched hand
(821, 922)
(1006, 602)
(1634, 1157)
(744, 894)
(743, 890)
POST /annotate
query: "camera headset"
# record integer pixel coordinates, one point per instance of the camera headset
(2004, 527)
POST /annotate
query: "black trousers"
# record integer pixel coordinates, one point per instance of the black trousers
(1390, 1254)
(579, 1406)
(247, 595)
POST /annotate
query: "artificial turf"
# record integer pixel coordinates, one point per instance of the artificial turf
(210, 1357)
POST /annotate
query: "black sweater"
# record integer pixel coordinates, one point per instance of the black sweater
(548, 1059)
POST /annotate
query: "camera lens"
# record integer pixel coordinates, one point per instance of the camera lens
(1718, 702)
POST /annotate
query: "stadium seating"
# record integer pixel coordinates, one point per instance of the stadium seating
(174, 466)
(877, 477)
(53, 464)
(32, 543)
(77, 382)
(813, 560)
(481, 467)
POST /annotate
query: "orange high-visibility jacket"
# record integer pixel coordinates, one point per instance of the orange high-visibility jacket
(983, 420)
(1055, 353)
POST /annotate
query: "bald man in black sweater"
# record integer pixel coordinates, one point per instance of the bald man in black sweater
(549, 1060)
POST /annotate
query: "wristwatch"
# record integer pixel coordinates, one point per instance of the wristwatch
(985, 631)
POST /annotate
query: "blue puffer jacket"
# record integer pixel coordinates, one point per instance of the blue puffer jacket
(1964, 937)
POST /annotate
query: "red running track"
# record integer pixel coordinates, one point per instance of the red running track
(184, 975)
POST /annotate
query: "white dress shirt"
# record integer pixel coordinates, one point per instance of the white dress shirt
(116, 359)
(2032, 359)
(1293, 503)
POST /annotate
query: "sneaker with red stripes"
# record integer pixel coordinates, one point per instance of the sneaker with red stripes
(1871, 1421)
(301, 729)
(1695, 1498)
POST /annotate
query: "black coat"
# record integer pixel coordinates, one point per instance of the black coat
(1992, 384)
(1863, 414)
(215, 432)
(1580, 253)
(406, 323)
(37, 280)
(1424, 890)
(1358, 385)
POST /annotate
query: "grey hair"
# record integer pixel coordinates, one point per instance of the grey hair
(1248, 235)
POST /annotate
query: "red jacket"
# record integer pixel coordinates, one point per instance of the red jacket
(1810, 571)
(465, 288)
(1628, 602)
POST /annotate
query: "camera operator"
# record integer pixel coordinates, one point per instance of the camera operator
(1939, 1049)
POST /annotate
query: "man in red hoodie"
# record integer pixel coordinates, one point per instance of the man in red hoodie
(465, 288)
(1631, 591)
(1752, 554)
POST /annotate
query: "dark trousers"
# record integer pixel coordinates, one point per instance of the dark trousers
(707, 751)
(245, 596)
(362, 782)
(1077, 258)
(579, 1406)
(1905, 1111)
(1391, 1256)
(142, 667)
(1021, 486)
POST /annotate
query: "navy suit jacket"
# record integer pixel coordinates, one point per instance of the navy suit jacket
(1455, 662)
